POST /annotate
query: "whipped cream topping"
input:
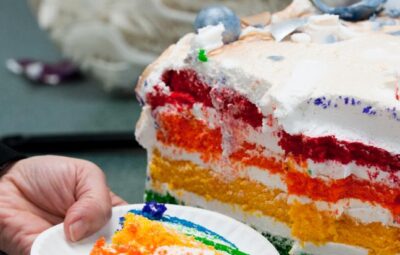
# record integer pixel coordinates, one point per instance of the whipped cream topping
(326, 29)
(145, 131)
(209, 38)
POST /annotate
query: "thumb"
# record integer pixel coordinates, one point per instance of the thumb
(92, 208)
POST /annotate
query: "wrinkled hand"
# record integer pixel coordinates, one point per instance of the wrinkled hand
(39, 192)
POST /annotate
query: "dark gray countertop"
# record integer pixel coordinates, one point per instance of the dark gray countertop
(79, 107)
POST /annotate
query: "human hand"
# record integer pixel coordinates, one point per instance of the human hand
(39, 192)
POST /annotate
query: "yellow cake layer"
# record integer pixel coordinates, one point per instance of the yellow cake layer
(306, 222)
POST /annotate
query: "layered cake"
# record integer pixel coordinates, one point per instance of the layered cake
(150, 232)
(289, 123)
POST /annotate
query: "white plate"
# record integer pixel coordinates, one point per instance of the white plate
(53, 241)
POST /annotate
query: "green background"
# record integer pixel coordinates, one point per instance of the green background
(77, 107)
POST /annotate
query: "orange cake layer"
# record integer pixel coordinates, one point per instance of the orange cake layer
(184, 131)
(252, 196)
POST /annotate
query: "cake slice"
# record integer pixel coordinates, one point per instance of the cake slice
(293, 128)
(150, 232)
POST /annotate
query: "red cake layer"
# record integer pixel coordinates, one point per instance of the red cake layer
(187, 82)
(350, 187)
(233, 105)
(186, 89)
(184, 131)
(325, 148)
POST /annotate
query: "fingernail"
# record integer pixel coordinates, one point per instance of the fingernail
(77, 230)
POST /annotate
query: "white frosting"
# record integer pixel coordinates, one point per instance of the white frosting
(326, 29)
(145, 131)
(333, 170)
(206, 114)
(179, 250)
(300, 85)
(301, 38)
(209, 38)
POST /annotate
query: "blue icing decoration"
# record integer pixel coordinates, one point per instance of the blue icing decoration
(318, 101)
(215, 14)
(361, 10)
(367, 109)
(276, 58)
(121, 221)
(185, 223)
(322, 102)
(153, 210)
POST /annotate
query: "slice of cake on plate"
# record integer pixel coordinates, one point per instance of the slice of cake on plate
(291, 126)
(149, 232)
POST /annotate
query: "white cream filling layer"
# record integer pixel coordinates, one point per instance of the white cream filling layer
(333, 170)
(263, 224)
(364, 212)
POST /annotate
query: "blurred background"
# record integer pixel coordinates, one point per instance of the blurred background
(60, 108)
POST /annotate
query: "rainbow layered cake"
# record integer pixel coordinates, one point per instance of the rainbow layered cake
(149, 232)
(289, 122)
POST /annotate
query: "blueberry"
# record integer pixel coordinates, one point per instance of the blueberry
(361, 10)
(215, 14)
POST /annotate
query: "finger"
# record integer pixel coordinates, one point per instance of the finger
(92, 208)
(18, 230)
(13, 199)
(116, 200)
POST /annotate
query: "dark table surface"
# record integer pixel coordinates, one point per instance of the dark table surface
(76, 107)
